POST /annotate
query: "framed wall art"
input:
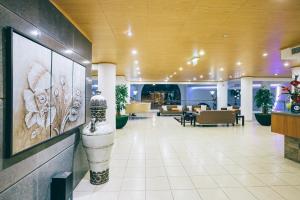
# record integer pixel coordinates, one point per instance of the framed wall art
(45, 93)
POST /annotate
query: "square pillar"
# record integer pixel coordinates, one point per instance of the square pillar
(222, 94)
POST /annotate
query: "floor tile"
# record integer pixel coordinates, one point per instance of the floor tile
(157, 183)
(248, 180)
(155, 172)
(264, 193)
(212, 194)
(204, 182)
(238, 194)
(133, 184)
(132, 195)
(186, 195)
(226, 181)
(287, 192)
(175, 171)
(159, 195)
(104, 196)
(178, 183)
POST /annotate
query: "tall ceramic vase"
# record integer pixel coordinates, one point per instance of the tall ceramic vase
(97, 139)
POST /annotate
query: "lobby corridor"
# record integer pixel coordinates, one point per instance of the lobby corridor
(155, 158)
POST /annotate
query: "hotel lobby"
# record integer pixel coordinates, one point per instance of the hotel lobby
(150, 100)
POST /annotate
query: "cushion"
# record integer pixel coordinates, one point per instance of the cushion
(203, 107)
(189, 108)
(198, 110)
(164, 108)
(174, 109)
(229, 108)
(179, 108)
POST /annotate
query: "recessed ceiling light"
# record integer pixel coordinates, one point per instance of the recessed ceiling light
(171, 76)
(286, 64)
(153, 84)
(265, 54)
(68, 51)
(188, 62)
(139, 72)
(35, 32)
(239, 63)
(137, 68)
(194, 78)
(180, 68)
(225, 35)
(221, 69)
(174, 73)
(201, 76)
(221, 79)
(136, 62)
(86, 62)
(230, 76)
(134, 52)
(275, 74)
(243, 74)
(201, 52)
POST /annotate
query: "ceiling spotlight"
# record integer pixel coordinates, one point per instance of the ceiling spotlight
(243, 74)
(195, 61)
(225, 35)
(136, 62)
(201, 76)
(35, 32)
(137, 68)
(221, 69)
(129, 32)
(174, 73)
(201, 53)
(239, 63)
(68, 51)
(286, 64)
(275, 74)
(230, 76)
(86, 62)
(180, 68)
(134, 52)
(138, 72)
(171, 76)
(188, 62)
(265, 54)
(194, 78)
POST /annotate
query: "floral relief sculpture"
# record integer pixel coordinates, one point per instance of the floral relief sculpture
(42, 109)
(37, 100)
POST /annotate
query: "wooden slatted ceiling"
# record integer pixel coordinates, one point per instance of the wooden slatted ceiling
(166, 32)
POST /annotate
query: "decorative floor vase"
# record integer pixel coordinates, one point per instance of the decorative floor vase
(97, 138)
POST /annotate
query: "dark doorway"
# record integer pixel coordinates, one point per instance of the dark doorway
(161, 94)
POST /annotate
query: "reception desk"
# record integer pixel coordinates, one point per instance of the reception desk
(138, 107)
(288, 124)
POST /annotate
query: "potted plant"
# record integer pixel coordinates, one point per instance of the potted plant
(121, 95)
(294, 94)
(264, 100)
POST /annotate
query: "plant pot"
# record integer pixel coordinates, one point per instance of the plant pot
(263, 119)
(121, 121)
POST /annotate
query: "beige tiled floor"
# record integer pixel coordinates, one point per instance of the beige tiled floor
(158, 159)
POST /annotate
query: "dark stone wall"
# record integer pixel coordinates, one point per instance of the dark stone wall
(28, 175)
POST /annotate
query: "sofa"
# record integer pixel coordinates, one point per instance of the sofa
(170, 110)
(215, 117)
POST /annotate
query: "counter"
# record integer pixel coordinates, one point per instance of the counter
(288, 124)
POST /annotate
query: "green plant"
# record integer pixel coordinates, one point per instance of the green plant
(264, 99)
(121, 95)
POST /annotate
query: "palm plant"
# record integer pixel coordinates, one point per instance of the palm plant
(121, 95)
(264, 99)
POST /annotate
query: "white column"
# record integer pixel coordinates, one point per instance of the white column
(107, 85)
(295, 71)
(222, 94)
(247, 98)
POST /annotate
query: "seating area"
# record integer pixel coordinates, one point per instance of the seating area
(150, 100)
